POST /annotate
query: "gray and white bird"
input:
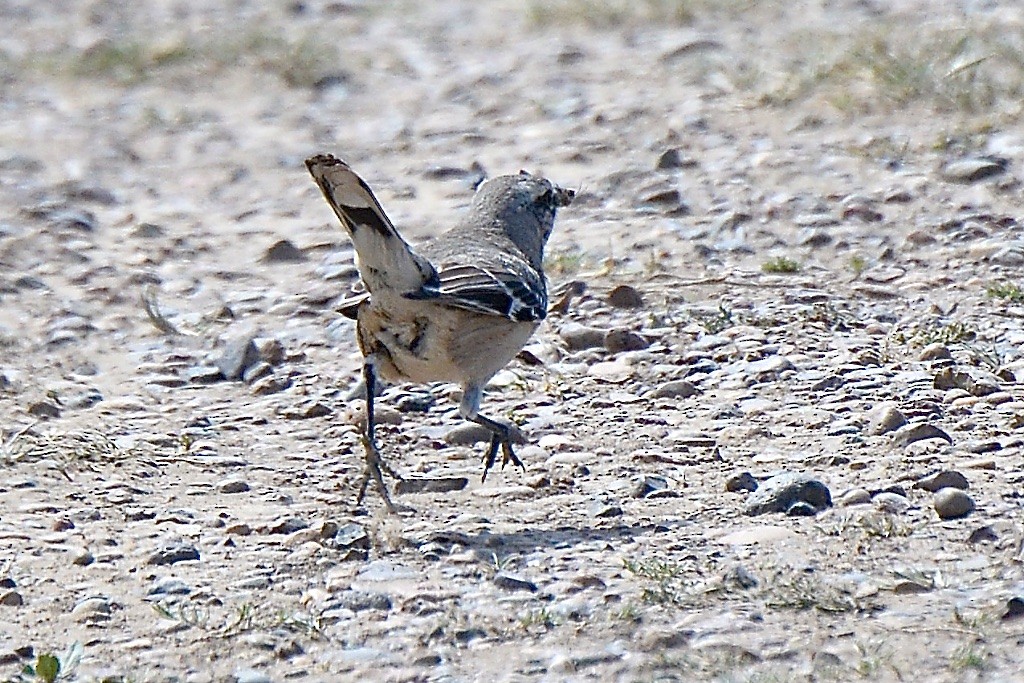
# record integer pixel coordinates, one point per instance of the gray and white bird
(456, 310)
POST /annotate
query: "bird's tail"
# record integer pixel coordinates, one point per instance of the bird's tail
(385, 260)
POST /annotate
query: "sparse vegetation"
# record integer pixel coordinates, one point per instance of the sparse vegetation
(1007, 291)
(49, 668)
(780, 265)
(617, 13)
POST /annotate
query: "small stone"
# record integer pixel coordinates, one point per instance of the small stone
(256, 371)
(288, 649)
(885, 419)
(44, 409)
(239, 529)
(513, 583)
(648, 484)
(1014, 609)
(941, 480)
(603, 510)
(306, 410)
(11, 598)
(953, 503)
(360, 601)
(974, 169)
(983, 534)
(920, 431)
(619, 340)
(744, 481)
(856, 496)
(83, 558)
(354, 540)
(171, 554)
(677, 388)
(283, 251)
(578, 337)
(251, 676)
(935, 351)
(238, 354)
(203, 374)
(890, 502)
(232, 485)
(92, 610)
(624, 296)
(783, 491)
(270, 385)
(431, 485)
(669, 159)
(286, 525)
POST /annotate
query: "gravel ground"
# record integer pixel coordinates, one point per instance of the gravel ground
(775, 436)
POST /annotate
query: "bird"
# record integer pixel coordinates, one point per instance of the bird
(457, 308)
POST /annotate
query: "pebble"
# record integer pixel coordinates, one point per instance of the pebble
(935, 351)
(973, 169)
(855, 496)
(619, 340)
(360, 601)
(353, 540)
(251, 676)
(890, 502)
(92, 610)
(744, 481)
(941, 480)
(232, 485)
(431, 485)
(678, 388)
(886, 418)
(919, 431)
(173, 553)
(283, 251)
(624, 296)
(784, 491)
(578, 337)
(511, 582)
(238, 354)
(11, 598)
(82, 558)
(648, 484)
(953, 503)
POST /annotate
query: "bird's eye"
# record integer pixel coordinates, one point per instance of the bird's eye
(546, 197)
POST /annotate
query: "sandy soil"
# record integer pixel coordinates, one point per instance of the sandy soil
(818, 206)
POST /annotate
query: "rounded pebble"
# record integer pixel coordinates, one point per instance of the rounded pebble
(953, 503)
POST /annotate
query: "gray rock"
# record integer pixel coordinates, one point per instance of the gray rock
(167, 585)
(238, 354)
(510, 582)
(203, 374)
(359, 601)
(578, 337)
(624, 296)
(619, 340)
(935, 351)
(256, 371)
(287, 525)
(744, 481)
(270, 385)
(913, 433)
(974, 169)
(856, 496)
(783, 491)
(431, 485)
(11, 598)
(601, 509)
(952, 503)
(252, 676)
(283, 251)
(44, 409)
(173, 553)
(677, 388)
(941, 480)
(306, 410)
(886, 418)
(83, 558)
(890, 502)
(353, 540)
(648, 484)
(92, 610)
(232, 485)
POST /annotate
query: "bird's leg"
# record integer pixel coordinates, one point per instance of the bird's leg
(374, 462)
(501, 435)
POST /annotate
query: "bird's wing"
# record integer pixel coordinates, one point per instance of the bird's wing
(509, 290)
(385, 260)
